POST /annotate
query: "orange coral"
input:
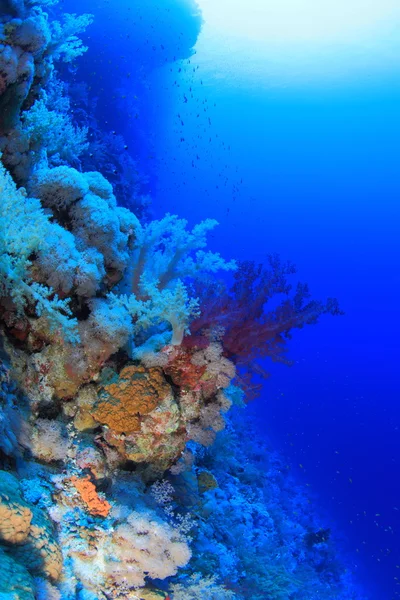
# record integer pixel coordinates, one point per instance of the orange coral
(97, 506)
(135, 393)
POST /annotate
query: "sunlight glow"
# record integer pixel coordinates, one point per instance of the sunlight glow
(286, 41)
(300, 20)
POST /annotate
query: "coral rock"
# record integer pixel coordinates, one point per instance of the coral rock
(160, 441)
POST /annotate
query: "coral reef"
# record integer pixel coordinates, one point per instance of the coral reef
(119, 364)
(31, 44)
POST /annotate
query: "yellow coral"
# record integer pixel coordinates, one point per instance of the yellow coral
(135, 393)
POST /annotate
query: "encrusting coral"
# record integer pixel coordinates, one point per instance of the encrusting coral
(40, 551)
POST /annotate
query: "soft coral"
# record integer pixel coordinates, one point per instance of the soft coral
(248, 329)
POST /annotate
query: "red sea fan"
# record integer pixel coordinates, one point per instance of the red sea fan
(255, 317)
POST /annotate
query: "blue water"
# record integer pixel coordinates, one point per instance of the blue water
(320, 185)
(310, 172)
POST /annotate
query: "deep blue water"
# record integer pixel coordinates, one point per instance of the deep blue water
(311, 173)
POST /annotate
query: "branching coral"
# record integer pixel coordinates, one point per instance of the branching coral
(65, 44)
(201, 588)
(116, 555)
(171, 306)
(54, 132)
(167, 252)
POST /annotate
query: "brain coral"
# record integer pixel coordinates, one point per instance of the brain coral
(134, 393)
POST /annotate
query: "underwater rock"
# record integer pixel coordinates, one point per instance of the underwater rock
(27, 531)
(11, 417)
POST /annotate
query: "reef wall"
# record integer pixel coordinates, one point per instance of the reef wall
(122, 354)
